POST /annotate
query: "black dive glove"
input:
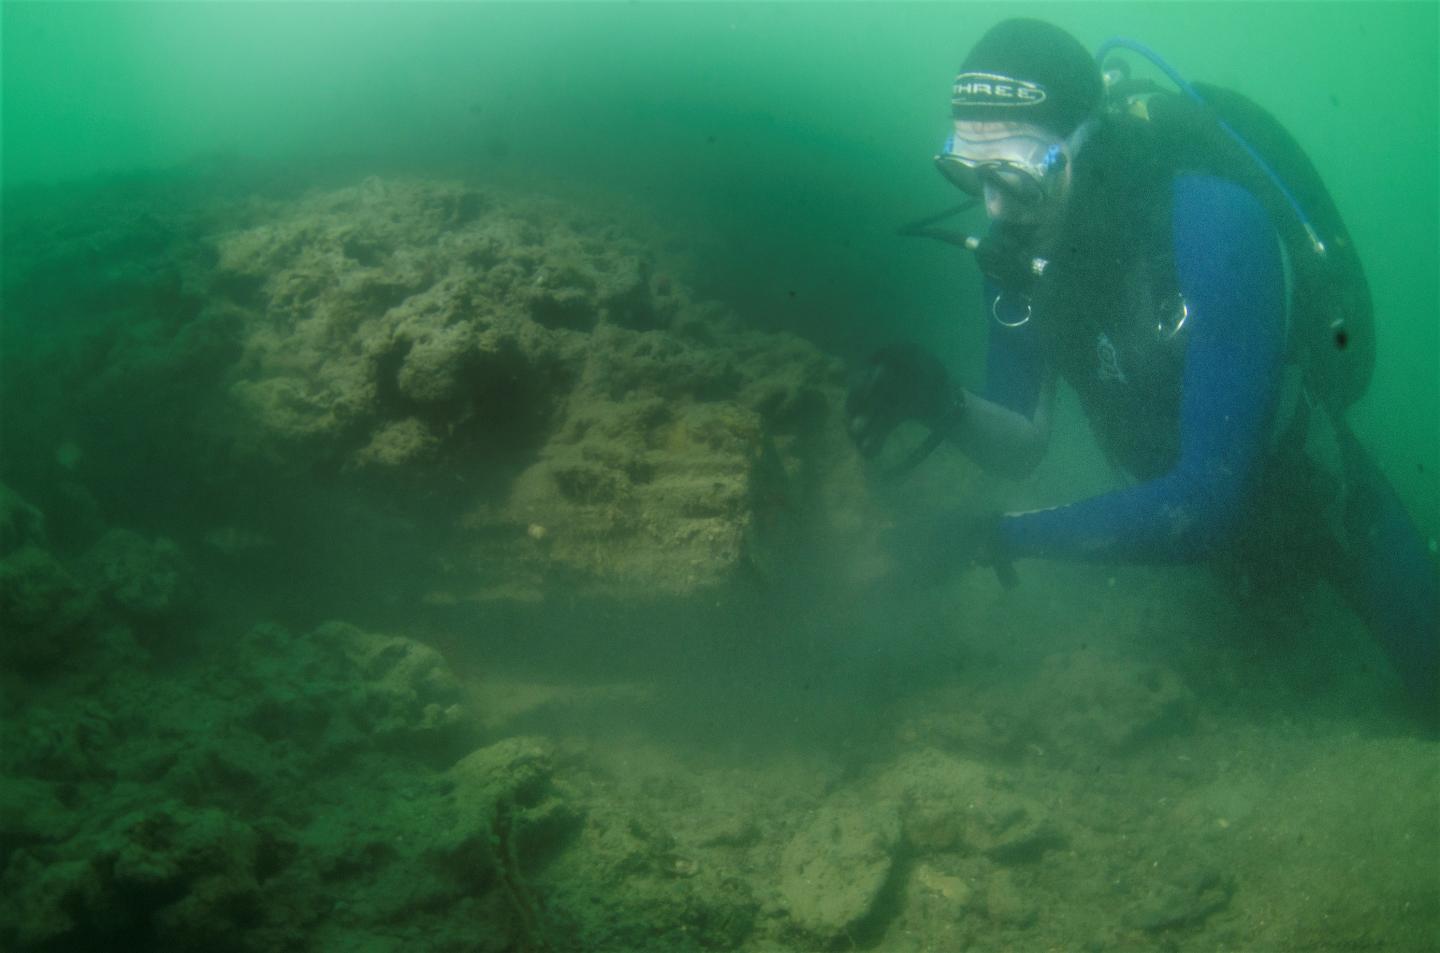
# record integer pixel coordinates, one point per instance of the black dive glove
(1005, 257)
(898, 383)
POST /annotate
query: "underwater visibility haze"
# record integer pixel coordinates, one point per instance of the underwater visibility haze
(428, 518)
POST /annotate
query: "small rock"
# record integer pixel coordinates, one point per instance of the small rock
(834, 869)
(1187, 898)
(1006, 903)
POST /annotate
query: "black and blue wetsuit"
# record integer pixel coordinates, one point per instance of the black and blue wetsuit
(1179, 366)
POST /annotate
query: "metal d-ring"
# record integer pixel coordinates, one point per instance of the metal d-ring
(1177, 311)
(995, 313)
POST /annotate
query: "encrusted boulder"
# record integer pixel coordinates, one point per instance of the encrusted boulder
(20, 523)
(834, 868)
(45, 610)
(144, 578)
(587, 422)
(954, 804)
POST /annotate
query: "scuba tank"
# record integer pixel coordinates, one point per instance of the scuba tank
(1218, 131)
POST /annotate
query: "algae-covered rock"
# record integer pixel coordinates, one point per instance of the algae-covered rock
(1184, 897)
(1084, 701)
(397, 444)
(66, 744)
(499, 795)
(44, 610)
(170, 876)
(834, 868)
(47, 903)
(508, 817)
(482, 372)
(30, 814)
(1006, 901)
(522, 364)
(954, 804)
(147, 578)
(20, 523)
(342, 691)
(439, 358)
(217, 807)
(160, 847)
(374, 305)
(403, 689)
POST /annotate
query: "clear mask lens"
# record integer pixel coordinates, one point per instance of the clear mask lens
(1011, 178)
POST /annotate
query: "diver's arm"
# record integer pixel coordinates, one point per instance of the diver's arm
(1004, 441)
(1007, 429)
(1227, 258)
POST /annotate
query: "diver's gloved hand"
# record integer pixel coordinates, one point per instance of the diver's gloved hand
(898, 383)
(1005, 257)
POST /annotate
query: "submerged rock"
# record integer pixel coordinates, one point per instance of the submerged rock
(318, 359)
(434, 351)
(502, 801)
(344, 690)
(45, 612)
(405, 689)
(1083, 701)
(145, 578)
(214, 808)
(20, 523)
(168, 875)
(834, 869)
(1185, 898)
(954, 804)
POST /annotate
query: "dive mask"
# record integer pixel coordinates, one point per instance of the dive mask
(1017, 165)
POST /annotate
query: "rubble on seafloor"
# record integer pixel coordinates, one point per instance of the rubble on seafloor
(321, 789)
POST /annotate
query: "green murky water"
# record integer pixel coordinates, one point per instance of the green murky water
(310, 308)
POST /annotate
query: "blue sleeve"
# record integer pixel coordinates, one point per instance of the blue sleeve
(1228, 262)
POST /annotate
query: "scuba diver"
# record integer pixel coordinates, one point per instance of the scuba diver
(1208, 311)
